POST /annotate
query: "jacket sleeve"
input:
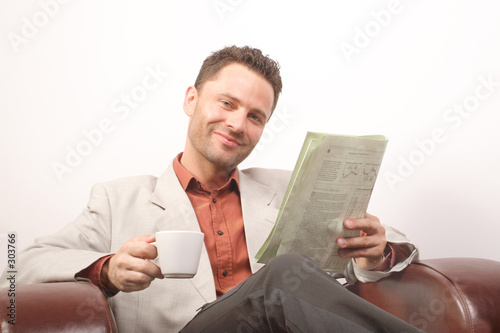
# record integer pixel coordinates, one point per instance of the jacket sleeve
(60, 256)
(354, 273)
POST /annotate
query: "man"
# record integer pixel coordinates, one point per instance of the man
(233, 98)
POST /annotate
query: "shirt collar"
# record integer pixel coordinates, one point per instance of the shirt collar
(188, 180)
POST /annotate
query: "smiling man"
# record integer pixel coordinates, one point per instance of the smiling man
(202, 189)
(228, 114)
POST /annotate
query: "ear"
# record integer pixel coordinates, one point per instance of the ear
(190, 100)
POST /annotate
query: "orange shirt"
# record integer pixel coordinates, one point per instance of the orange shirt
(221, 220)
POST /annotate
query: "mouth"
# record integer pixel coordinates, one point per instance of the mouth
(227, 140)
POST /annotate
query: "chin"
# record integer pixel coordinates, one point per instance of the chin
(227, 160)
(230, 164)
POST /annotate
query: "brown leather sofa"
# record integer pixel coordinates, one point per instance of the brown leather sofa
(437, 295)
(441, 295)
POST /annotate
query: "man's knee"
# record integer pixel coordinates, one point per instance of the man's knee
(289, 259)
(289, 270)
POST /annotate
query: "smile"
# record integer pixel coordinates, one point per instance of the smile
(227, 140)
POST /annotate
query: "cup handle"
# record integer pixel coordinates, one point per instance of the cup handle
(155, 260)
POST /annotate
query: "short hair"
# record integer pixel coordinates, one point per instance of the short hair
(247, 56)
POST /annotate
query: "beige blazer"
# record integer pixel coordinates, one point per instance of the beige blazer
(121, 209)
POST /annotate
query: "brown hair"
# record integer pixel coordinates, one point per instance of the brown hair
(250, 57)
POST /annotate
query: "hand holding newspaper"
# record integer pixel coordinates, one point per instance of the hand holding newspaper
(332, 180)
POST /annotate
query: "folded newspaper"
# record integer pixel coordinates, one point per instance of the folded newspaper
(332, 180)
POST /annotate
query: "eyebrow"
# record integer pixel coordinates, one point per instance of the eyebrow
(237, 100)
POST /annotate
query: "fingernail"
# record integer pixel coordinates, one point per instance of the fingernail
(342, 242)
(349, 223)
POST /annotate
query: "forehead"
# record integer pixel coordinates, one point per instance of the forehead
(244, 84)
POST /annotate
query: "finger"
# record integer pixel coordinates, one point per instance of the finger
(140, 247)
(135, 281)
(151, 269)
(365, 252)
(145, 267)
(130, 273)
(365, 225)
(369, 226)
(127, 263)
(359, 242)
(143, 238)
(130, 260)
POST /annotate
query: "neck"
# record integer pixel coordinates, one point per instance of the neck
(205, 171)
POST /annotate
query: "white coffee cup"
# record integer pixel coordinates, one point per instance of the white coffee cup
(179, 252)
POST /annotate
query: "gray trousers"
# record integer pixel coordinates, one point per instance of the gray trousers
(292, 294)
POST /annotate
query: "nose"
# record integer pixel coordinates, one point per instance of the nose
(237, 121)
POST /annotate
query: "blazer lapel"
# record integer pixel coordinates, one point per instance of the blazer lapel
(258, 216)
(179, 214)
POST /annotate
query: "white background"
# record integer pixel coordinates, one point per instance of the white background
(396, 68)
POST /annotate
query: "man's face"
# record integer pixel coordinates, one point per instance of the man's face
(227, 116)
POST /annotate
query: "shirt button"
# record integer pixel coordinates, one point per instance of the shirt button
(220, 232)
(214, 200)
(224, 273)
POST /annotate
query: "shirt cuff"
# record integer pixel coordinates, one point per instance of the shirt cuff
(393, 254)
(93, 273)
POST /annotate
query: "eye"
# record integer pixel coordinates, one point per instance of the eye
(226, 104)
(255, 118)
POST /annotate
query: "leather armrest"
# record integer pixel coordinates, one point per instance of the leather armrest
(441, 295)
(57, 307)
